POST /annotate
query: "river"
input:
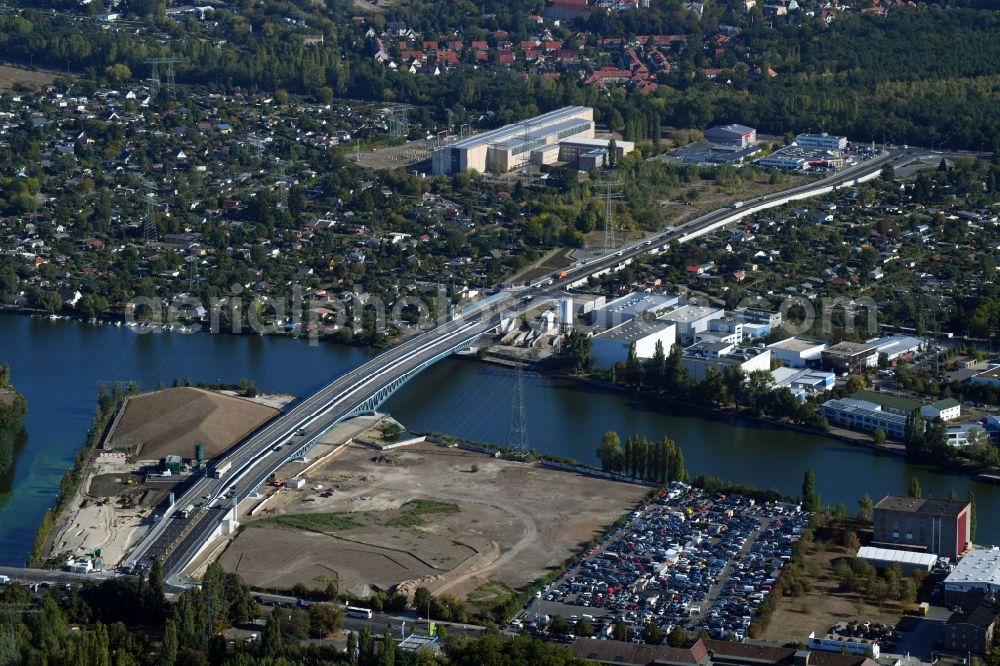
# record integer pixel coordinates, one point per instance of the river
(58, 365)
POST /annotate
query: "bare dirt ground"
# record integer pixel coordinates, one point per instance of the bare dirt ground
(515, 522)
(30, 78)
(373, 7)
(112, 505)
(823, 606)
(173, 421)
(107, 512)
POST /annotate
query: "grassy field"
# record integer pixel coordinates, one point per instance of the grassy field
(490, 594)
(825, 604)
(310, 522)
(30, 78)
(414, 512)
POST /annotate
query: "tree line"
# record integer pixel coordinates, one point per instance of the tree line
(640, 458)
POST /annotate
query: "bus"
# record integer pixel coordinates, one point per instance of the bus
(354, 611)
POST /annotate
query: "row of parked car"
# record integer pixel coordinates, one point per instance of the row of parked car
(754, 575)
(690, 559)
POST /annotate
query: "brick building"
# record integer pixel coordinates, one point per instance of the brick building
(929, 525)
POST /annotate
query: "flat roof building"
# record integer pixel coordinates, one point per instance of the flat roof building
(897, 348)
(853, 357)
(977, 571)
(731, 135)
(510, 147)
(797, 352)
(907, 560)
(611, 346)
(864, 416)
(692, 319)
(799, 158)
(720, 355)
(823, 140)
(628, 307)
(797, 379)
(928, 525)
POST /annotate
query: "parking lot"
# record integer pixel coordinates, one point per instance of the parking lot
(688, 559)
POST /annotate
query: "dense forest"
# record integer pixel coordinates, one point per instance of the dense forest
(13, 409)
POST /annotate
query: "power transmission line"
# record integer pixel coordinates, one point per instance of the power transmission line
(612, 189)
(517, 433)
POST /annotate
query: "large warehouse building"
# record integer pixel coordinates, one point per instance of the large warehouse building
(511, 146)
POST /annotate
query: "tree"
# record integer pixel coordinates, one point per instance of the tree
(156, 583)
(352, 649)
(168, 650)
(387, 648)
(620, 632)
(271, 643)
(878, 437)
(810, 498)
(323, 620)
(584, 629)
(366, 647)
(651, 633)
(609, 452)
(612, 153)
(4, 375)
(632, 366)
(422, 598)
(677, 637)
(865, 508)
(559, 625)
(888, 173)
(915, 490)
(952, 495)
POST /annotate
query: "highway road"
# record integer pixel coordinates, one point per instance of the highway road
(263, 452)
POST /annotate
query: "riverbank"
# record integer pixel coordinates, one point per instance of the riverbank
(13, 411)
(728, 414)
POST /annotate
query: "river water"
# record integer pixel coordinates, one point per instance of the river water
(58, 365)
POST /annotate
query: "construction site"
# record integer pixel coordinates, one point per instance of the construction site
(157, 441)
(422, 514)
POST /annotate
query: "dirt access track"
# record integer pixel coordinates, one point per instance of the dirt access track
(510, 522)
(172, 421)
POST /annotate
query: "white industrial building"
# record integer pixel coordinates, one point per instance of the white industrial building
(629, 307)
(731, 135)
(898, 347)
(865, 416)
(823, 140)
(510, 147)
(611, 346)
(692, 319)
(798, 352)
(584, 154)
(978, 570)
(803, 381)
(907, 560)
(958, 433)
(719, 355)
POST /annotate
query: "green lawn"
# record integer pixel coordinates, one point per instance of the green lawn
(415, 510)
(311, 522)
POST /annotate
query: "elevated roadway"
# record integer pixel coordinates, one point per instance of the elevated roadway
(178, 541)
